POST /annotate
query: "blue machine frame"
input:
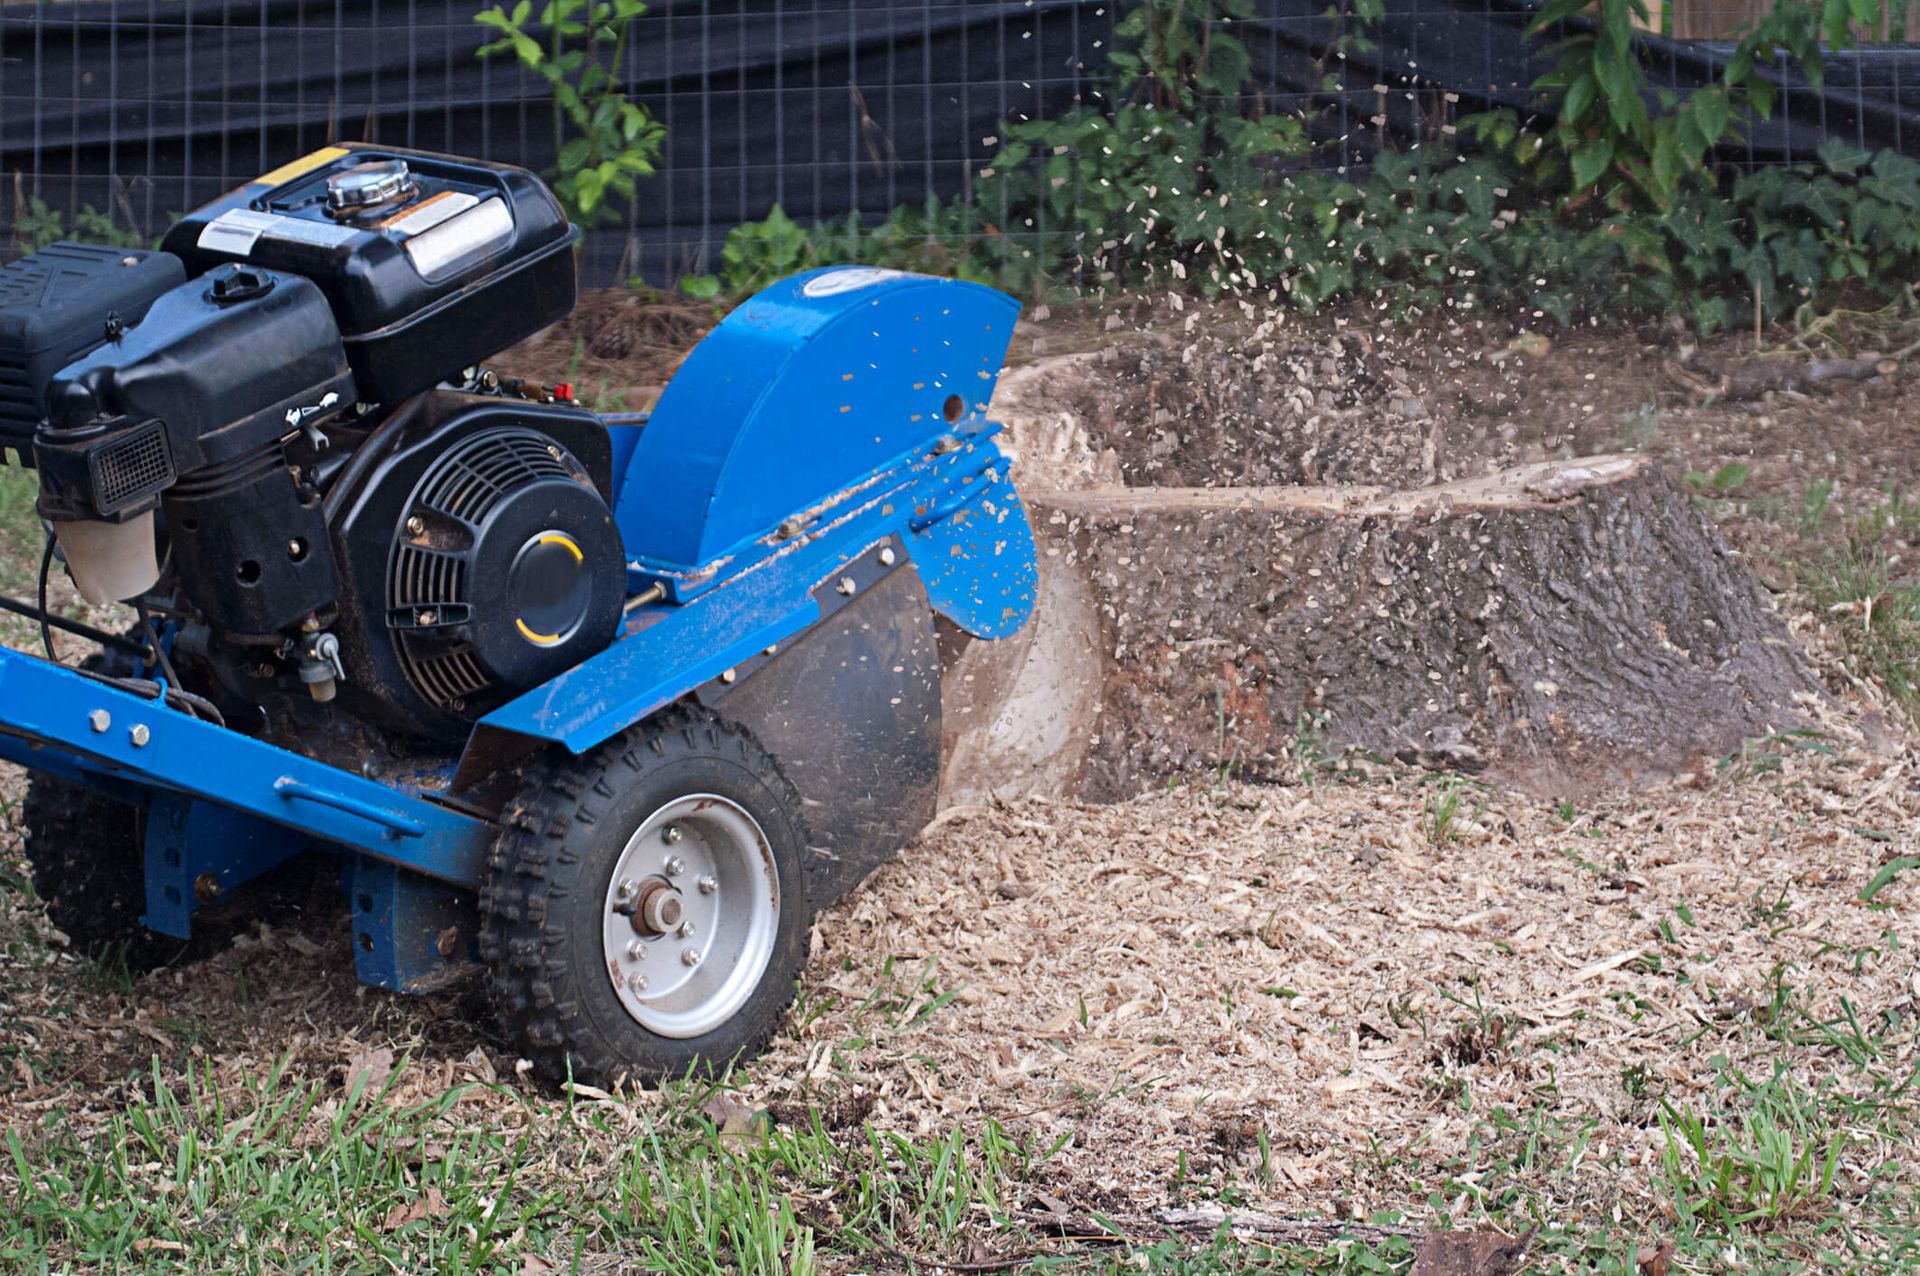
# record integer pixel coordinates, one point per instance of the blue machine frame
(837, 414)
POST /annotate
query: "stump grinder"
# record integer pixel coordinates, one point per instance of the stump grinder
(605, 705)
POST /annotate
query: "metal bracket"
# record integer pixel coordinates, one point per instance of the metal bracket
(196, 852)
(410, 933)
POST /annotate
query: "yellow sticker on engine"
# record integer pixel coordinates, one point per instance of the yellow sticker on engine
(300, 167)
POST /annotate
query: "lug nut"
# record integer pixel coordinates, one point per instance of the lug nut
(99, 720)
(686, 930)
(707, 885)
(675, 866)
(139, 735)
(636, 951)
(690, 957)
(671, 836)
(628, 888)
(637, 982)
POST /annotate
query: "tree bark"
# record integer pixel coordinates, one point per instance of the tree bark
(1561, 626)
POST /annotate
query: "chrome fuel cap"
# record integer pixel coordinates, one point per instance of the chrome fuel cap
(367, 185)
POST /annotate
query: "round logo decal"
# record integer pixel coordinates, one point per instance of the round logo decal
(850, 279)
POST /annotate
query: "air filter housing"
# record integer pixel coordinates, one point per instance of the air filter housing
(57, 305)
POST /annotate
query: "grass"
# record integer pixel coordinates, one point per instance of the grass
(1868, 588)
(19, 527)
(298, 1175)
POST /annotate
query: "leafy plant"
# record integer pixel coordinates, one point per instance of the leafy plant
(36, 224)
(1175, 55)
(1608, 140)
(603, 141)
(933, 240)
(1175, 184)
(1184, 184)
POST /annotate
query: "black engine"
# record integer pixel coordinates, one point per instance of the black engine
(273, 435)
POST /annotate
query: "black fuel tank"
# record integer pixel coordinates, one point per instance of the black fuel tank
(431, 263)
(228, 362)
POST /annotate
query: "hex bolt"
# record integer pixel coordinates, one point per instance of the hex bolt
(416, 524)
(675, 866)
(636, 951)
(846, 585)
(686, 930)
(728, 677)
(628, 888)
(637, 982)
(690, 957)
(887, 556)
(99, 720)
(139, 734)
(707, 885)
(671, 836)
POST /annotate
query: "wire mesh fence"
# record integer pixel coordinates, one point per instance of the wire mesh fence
(116, 115)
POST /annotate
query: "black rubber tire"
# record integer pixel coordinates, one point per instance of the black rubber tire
(561, 838)
(87, 854)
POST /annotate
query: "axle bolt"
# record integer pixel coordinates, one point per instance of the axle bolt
(690, 957)
(99, 720)
(636, 951)
(139, 734)
(707, 885)
(671, 836)
(660, 910)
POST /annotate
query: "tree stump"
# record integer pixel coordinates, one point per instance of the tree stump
(1560, 626)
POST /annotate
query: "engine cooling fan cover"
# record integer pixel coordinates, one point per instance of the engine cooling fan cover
(506, 569)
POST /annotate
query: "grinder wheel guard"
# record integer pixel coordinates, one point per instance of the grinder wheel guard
(603, 707)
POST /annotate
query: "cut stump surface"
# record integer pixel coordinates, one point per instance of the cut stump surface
(1563, 626)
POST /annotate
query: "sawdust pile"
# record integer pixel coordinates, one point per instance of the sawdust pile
(1336, 965)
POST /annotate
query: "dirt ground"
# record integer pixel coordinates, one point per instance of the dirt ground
(1344, 988)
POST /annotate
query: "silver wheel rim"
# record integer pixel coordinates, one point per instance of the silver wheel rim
(704, 854)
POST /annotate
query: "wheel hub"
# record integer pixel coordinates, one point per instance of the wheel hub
(683, 961)
(660, 910)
